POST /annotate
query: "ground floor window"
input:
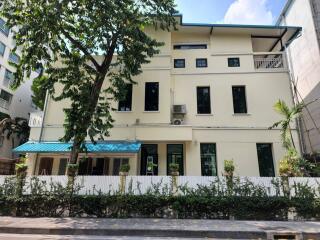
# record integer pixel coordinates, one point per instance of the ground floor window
(208, 159)
(94, 166)
(149, 159)
(117, 163)
(62, 166)
(265, 159)
(45, 166)
(175, 155)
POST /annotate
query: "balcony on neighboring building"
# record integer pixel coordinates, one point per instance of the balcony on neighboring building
(35, 119)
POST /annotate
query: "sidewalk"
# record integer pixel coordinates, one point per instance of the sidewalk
(160, 227)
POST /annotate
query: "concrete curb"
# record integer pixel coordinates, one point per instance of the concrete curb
(139, 232)
(187, 228)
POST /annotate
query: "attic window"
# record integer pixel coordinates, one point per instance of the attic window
(189, 46)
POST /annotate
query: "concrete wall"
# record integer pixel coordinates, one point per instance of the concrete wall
(21, 103)
(304, 53)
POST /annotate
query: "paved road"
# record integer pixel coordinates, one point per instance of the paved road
(56, 237)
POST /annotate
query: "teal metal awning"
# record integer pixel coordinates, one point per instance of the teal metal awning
(99, 147)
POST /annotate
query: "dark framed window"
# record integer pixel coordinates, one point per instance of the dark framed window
(45, 166)
(4, 28)
(62, 166)
(8, 78)
(13, 57)
(149, 154)
(189, 46)
(175, 155)
(117, 163)
(151, 101)
(179, 63)
(2, 48)
(265, 159)
(233, 62)
(208, 159)
(126, 103)
(201, 63)
(5, 96)
(239, 99)
(203, 100)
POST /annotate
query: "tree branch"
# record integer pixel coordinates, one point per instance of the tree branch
(82, 48)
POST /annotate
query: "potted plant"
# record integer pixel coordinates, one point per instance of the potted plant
(151, 166)
(72, 169)
(21, 169)
(228, 168)
(174, 169)
(124, 170)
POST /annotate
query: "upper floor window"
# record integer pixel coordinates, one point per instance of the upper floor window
(265, 160)
(5, 96)
(179, 63)
(13, 57)
(201, 63)
(4, 28)
(189, 46)
(151, 101)
(233, 62)
(126, 103)
(8, 78)
(2, 48)
(239, 99)
(203, 100)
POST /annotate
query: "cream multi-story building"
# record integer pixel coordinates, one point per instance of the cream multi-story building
(208, 96)
(12, 103)
(304, 59)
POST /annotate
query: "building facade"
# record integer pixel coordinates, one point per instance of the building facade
(208, 96)
(304, 59)
(12, 103)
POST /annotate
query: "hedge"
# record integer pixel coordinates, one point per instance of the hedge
(124, 206)
(243, 201)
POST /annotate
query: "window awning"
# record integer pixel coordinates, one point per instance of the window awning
(99, 147)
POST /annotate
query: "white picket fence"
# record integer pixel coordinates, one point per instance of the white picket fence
(143, 184)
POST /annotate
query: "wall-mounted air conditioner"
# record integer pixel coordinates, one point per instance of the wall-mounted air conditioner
(179, 109)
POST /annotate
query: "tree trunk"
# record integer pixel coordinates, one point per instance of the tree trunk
(291, 136)
(75, 152)
(93, 100)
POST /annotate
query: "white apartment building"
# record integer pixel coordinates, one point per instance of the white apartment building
(208, 96)
(304, 59)
(12, 103)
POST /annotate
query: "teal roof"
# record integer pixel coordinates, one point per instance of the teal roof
(99, 147)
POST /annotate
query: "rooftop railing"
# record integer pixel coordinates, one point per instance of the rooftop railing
(269, 61)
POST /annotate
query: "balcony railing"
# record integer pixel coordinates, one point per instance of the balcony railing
(269, 61)
(4, 104)
(35, 119)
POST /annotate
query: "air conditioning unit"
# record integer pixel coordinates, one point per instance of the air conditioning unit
(177, 121)
(179, 109)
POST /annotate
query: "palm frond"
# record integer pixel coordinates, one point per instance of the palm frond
(282, 108)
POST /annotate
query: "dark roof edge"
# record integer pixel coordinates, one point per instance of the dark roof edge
(233, 25)
(284, 11)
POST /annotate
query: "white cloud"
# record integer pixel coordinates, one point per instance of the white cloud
(248, 12)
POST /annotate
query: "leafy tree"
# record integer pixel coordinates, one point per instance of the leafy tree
(74, 33)
(39, 89)
(15, 128)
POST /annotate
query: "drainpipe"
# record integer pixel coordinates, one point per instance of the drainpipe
(41, 129)
(291, 80)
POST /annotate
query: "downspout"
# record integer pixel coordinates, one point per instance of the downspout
(301, 139)
(41, 128)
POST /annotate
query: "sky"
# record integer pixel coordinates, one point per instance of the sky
(230, 11)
